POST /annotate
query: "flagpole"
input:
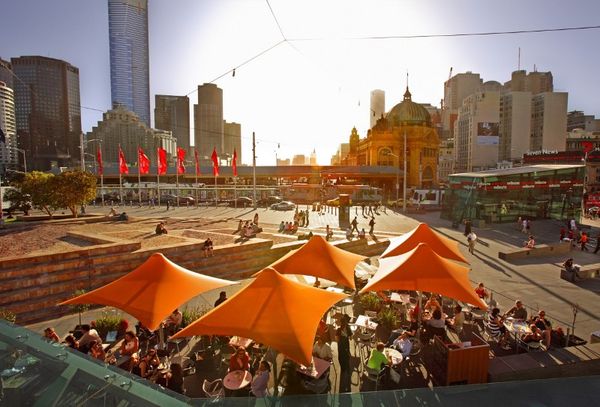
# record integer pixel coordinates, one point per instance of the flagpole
(196, 171)
(120, 178)
(101, 175)
(235, 191)
(177, 174)
(216, 194)
(158, 175)
(139, 179)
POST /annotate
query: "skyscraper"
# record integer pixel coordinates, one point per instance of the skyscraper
(8, 154)
(232, 140)
(128, 40)
(377, 106)
(456, 89)
(172, 113)
(208, 121)
(48, 110)
(6, 73)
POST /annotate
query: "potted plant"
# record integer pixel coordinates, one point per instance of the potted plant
(190, 314)
(109, 321)
(371, 302)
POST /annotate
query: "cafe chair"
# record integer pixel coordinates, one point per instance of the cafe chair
(530, 346)
(491, 337)
(214, 389)
(373, 375)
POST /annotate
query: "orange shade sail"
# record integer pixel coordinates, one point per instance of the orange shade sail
(321, 259)
(272, 310)
(422, 269)
(152, 291)
(424, 234)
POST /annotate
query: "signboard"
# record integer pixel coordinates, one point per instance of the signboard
(487, 134)
(515, 185)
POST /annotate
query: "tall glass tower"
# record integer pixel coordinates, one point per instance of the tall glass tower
(129, 73)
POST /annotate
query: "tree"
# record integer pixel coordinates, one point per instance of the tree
(18, 200)
(74, 188)
(40, 187)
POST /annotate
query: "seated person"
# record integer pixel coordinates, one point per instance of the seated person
(281, 227)
(240, 225)
(496, 327)
(207, 247)
(481, 291)
(89, 335)
(173, 380)
(239, 360)
(403, 344)
(544, 326)
(432, 303)
(161, 229)
(349, 234)
(130, 344)
(71, 342)
(143, 333)
(517, 312)
(113, 212)
(458, 320)
(288, 227)
(260, 380)
(222, 298)
(362, 234)
(50, 333)
(534, 336)
(123, 217)
(436, 320)
(572, 269)
(147, 364)
(294, 228)
(173, 322)
(530, 243)
(328, 233)
(322, 349)
(377, 359)
(96, 351)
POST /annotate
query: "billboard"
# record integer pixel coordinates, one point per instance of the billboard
(487, 134)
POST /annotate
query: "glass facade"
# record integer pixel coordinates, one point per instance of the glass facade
(48, 110)
(539, 191)
(128, 40)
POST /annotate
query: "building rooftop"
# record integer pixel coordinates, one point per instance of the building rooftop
(515, 170)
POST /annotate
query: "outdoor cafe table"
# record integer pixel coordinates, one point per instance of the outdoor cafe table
(516, 327)
(238, 379)
(316, 370)
(364, 321)
(403, 298)
(395, 355)
(237, 341)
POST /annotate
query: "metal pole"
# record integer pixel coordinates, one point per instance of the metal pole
(254, 169)
(196, 188)
(139, 180)
(1, 202)
(102, 188)
(177, 174)
(158, 176)
(216, 193)
(81, 151)
(235, 191)
(404, 178)
(120, 187)
(397, 182)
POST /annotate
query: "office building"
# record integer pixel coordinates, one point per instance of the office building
(8, 124)
(476, 132)
(48, 111)
(515, 125)
(129, 68)
(548, 121)
(377, 106)
(208, 121)
(313, 157)
(446, 159)
(456, 89)
(299, 159)
(120, 126)
(576, 119)
(232, 140)
(172, 113)
(534, 82)
(283, 161)
(6, 74)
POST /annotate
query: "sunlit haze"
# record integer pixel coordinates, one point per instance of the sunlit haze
(305, 95)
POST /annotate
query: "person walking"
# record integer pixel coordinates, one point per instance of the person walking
(471, 240)
(468, 226)
(168, 204)
(342, 336)
(524, 226)
(372, 225)
(583, 241)
(354, 225)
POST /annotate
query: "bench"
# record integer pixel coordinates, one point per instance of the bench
(584, 273)
(538, 251)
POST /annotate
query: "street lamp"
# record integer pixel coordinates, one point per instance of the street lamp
(82, 144)
(389, 153)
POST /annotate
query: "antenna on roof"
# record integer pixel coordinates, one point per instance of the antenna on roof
(407, 79)
(519, 63)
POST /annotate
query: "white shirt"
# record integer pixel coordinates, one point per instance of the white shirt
(323, 352)
(404, 346)
(472, 237)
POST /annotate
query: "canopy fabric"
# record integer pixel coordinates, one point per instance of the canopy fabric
(321, 259)
(152, 291)
(272, 310)
(422, 269)
(424, 234)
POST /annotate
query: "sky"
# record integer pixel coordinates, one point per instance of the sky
(308, 94)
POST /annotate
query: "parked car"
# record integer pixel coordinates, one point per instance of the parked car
(283, 206)
(183, 200)
(241, 202)
(268, 201)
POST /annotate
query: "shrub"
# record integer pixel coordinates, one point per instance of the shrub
(370, 301)
(193, 313)
(109, 321)
(388, 318)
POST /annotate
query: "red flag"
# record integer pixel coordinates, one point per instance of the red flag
(215, 159)
(123, 169)
(587, 146)
(234, 163)
(180, 160)
(197, 162)
(162, 160)
(143, 162)
(100, 169)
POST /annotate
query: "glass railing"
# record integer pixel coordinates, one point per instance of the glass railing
(36, 372)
